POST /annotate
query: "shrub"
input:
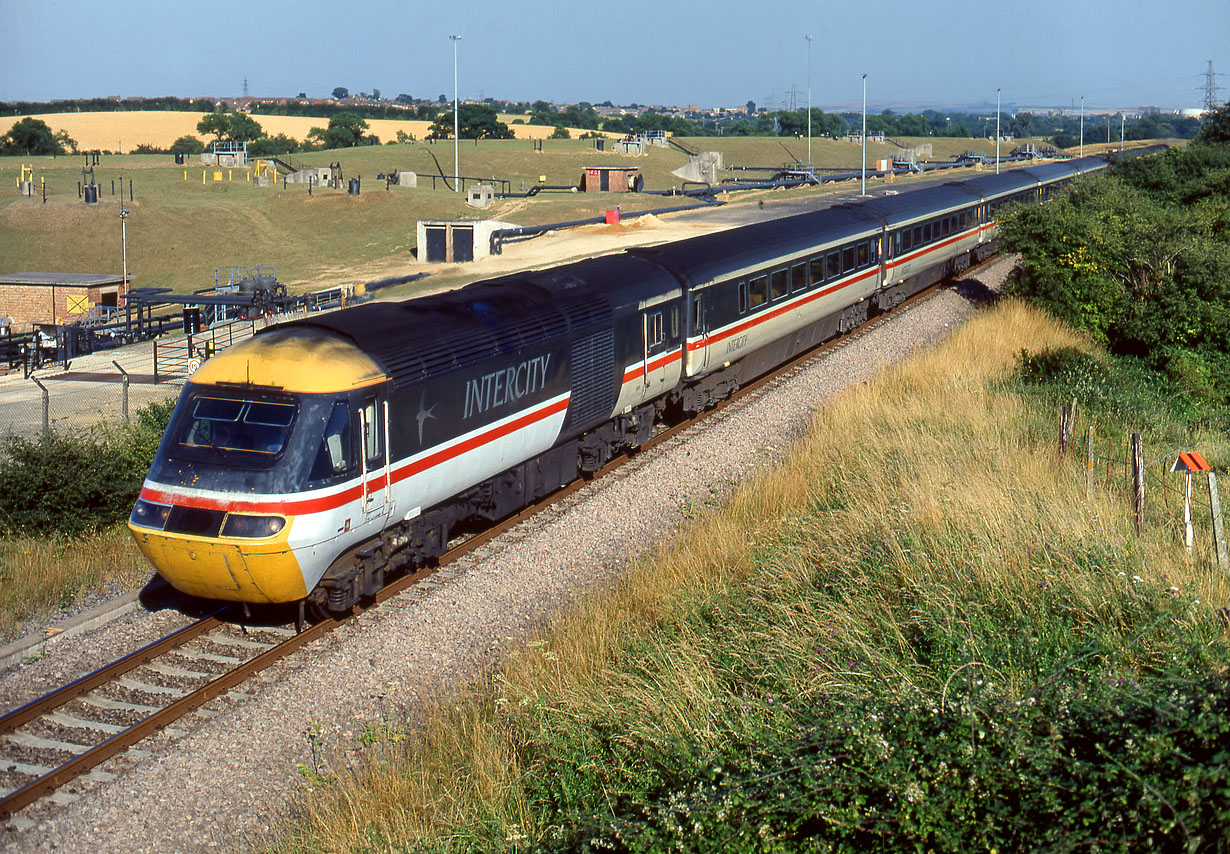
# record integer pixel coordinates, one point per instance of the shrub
(70, 484)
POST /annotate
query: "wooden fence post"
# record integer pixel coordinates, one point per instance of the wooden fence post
(1138, 481)
(1064, 430)
(1088, 460)
(1219, 533)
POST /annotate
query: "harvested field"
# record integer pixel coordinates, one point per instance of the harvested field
(124, 131)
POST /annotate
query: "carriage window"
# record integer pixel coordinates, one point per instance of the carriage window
(332, 458)
(371, 429)
(653, 330)
(927, 233)
(781, 284)
(905, 236)
(875, 250)
(674, 322)
(742, 297)
(817, 269)
(945, 226)
(834, 265)
(847, 259)
(863, 254)
(961, 220)
(696, 313)
(798, 278)
(758, 291)
(918, 235)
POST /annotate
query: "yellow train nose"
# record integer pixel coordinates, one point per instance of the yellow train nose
(223, 569)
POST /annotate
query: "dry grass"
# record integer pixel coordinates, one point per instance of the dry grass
(958, 481)
(40, 575)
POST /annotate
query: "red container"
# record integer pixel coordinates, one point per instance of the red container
(612, 217)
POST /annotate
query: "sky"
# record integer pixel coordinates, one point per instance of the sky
(948, 54)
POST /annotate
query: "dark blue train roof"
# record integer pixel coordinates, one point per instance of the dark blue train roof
(426, 336)
(705, 258)
(915, 204)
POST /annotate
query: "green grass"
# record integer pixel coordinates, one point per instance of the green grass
(180, 230)
(920, 633)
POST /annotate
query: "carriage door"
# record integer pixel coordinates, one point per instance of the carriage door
(654, 323)
(698, 359)
(374, 430)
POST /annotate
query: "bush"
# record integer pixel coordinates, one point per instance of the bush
(1064, 365)
(188, 145)
(67, 484)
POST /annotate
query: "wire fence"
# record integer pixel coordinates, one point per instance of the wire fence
(1161, 491)
(73, 407)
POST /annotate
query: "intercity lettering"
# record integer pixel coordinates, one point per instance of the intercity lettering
(505, 385)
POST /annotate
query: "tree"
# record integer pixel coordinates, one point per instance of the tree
(477, 121)
(33, 136)
(270, 145)
(215, 123)
(1215, 127)
(244, 128)
(376, 94)
(560, 132)
(341, 92)
(345, 130)
(238, 127)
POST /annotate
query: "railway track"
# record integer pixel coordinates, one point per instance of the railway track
(68, 732)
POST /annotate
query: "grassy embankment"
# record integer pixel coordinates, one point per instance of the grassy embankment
(181, 229)
(920, 630)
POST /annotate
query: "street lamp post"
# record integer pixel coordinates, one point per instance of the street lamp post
(809, 38)
(1082, 154)
(996, 131)
(456, 122)
(864, 134)
(124, 244)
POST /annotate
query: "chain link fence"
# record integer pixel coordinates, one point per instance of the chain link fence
(72, 407)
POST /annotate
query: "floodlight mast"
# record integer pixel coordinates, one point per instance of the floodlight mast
(809, 38)
(864, 134)
(456, 122)
(997, 131)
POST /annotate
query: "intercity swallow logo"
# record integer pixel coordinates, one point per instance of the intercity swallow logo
(424, 413)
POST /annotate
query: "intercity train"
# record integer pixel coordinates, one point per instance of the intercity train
(312, 460)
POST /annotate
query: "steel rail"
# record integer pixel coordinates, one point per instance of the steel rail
(108, 673)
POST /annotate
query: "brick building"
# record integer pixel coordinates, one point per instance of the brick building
(55, 297)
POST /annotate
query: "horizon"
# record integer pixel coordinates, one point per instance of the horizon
(659, 54)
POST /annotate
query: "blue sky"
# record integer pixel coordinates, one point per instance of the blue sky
(715, 53)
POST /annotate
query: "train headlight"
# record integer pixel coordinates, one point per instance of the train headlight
(147, 514)
(239, 525)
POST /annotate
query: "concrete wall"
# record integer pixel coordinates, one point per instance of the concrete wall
(319, 174)
(483, 229)
(703, 167)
